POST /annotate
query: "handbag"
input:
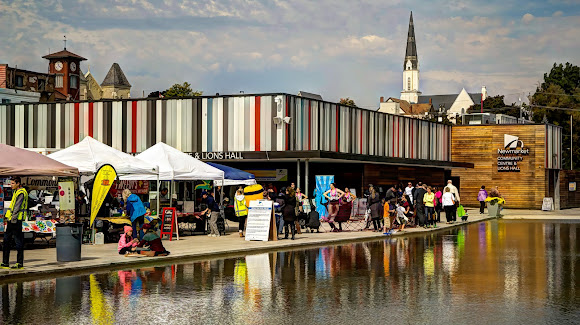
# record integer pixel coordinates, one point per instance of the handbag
(367, 215)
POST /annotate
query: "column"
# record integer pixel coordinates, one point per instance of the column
(306, 177)
(298, 173)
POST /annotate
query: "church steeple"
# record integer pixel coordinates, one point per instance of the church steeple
(411, 53)
(411, 91)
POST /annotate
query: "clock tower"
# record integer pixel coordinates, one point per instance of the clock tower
(65, 66)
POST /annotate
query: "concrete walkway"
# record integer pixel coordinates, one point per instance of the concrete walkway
(42, 262)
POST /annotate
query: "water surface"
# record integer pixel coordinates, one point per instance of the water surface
(496, 272)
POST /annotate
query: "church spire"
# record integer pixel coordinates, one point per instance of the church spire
(411, 52)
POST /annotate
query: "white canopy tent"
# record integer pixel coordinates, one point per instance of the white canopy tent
(175, 165)
(89, 155)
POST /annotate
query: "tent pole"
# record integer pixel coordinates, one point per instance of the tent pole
(176, 223)
(158, 193)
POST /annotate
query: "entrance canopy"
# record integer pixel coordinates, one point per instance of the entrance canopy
(21, 162)
(233, 176)
(89, 155)
(176, 165)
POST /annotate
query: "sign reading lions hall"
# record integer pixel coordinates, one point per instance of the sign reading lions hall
(512, 154)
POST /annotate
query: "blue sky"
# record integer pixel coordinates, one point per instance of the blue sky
(335, 48)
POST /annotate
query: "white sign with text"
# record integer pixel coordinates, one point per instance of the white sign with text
(259, 219)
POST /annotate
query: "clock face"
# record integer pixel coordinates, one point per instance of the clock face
(73, 66)
(58, 65)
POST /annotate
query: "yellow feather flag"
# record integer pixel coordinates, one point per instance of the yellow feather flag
(102, 183)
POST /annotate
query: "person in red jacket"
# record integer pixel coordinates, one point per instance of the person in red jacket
(153, 241)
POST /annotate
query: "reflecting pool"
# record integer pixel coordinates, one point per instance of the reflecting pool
(496, 272)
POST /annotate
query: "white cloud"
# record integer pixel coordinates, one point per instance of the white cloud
(527, 18)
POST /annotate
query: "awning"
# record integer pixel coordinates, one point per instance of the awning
(233, 176)
(21, 162)
(89, 155)
(176, 165)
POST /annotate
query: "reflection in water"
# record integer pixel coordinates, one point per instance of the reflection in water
(493, 272)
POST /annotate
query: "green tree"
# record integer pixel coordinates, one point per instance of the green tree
(497, 105)
(560, 89)
(347, 101)
(184, 90)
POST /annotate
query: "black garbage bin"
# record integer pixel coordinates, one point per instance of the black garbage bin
(69, 238)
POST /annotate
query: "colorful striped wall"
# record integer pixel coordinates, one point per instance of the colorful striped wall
(225, 123)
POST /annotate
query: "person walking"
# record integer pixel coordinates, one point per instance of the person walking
(449, 205)
(241, 210)
(454, 191)
(481, 196)
(438, 204)
(136, 210)
(214, 213)
(15, 214)
(289, 212)
(374, 205)
(429, 201)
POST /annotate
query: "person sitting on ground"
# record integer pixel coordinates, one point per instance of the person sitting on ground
(153, 241)
(127, 244)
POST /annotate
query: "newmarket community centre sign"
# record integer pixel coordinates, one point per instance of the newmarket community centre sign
(509, 157)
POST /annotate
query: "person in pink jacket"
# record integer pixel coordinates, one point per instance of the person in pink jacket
(127, 244)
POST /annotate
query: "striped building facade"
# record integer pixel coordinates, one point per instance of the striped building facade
(243, 123)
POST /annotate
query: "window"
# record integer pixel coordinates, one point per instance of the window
(41, 84)
(59, 81)
(5, 101)
(409, 83)
(73, 82)
(19, 81)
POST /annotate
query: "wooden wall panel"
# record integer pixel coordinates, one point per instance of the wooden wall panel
(479, 145)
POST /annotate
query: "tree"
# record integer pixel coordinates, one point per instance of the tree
(156, 94)
(560, 89)
(184, 90)
(347, 101)
(497, 105)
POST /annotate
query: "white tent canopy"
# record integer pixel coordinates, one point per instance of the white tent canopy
(176, 165)
(89, 155)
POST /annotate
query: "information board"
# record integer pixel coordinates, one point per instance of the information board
(572, 186)
(259, 221)
(548, 204)
(167, 220)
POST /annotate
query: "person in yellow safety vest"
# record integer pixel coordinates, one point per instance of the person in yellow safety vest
(16, 213)
(241, 210)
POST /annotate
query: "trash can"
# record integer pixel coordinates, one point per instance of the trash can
(69, 237)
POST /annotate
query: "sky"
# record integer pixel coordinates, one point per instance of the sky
(333, 48)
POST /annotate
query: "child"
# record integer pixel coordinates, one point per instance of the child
(127, 244)
(401, 217)
(152, 240)
(388, 211)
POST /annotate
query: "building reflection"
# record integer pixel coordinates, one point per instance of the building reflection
(506, 259)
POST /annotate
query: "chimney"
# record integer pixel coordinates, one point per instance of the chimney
(430, 101)
(382, 99)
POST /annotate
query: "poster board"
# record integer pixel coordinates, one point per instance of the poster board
(168, 218)
(571, 186)
(548, 204)
(260, 222)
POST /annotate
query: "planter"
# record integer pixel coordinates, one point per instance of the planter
(493, 209)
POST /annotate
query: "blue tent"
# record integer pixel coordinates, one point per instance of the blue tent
(233, 176)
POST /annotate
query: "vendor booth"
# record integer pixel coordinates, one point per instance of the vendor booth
(53, 208)
(175, 165)
(233, 176)
(88, 156)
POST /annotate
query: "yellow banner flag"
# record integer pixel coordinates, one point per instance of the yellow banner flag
(102, 184)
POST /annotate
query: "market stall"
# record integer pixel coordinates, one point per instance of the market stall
(21, 162)
(233, 176)
(175, 165)
(89, 155)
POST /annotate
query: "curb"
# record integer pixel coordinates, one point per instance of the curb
(13, 276)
